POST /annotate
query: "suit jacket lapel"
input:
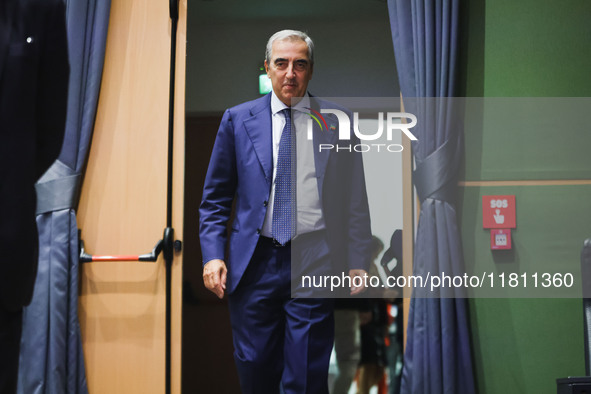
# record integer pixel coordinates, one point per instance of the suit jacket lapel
(260, 131)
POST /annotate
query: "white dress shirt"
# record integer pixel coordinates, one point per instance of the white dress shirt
(309, 208)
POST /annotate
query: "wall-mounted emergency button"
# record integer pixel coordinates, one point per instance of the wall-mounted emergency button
(498, 214)
(500, 239)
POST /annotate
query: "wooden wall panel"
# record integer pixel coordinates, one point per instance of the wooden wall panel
(123, 204)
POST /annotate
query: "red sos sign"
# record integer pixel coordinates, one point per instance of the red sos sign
(498, 212)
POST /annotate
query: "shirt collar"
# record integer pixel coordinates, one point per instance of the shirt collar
(277, 105)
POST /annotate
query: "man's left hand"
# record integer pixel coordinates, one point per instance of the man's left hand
(361, 281)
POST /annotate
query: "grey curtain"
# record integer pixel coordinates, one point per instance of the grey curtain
(425, 36)
(51, 359)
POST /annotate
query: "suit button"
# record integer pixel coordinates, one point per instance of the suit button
(258, 231)
(265, 203)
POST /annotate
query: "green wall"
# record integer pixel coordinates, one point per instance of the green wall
(526, 48)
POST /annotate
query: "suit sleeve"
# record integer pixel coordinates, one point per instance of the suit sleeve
(54, 71)
(218, 193)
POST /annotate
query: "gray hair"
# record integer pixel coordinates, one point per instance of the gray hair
(290, 35)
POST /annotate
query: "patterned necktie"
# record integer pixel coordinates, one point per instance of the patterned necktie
(283, 225)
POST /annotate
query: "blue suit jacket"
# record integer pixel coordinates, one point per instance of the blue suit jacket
(241, 169)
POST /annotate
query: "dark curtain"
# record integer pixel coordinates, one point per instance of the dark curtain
(51, 359)
(425, 36)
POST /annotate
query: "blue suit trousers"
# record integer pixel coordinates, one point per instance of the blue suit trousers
(280, 340)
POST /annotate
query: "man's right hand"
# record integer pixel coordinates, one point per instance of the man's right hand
(214, 276)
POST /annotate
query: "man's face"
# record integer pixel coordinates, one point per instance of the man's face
(290, 69)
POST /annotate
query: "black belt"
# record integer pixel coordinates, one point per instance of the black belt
(300, 237)
(273, 242)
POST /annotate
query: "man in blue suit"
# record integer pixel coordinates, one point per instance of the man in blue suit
(261, 149)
